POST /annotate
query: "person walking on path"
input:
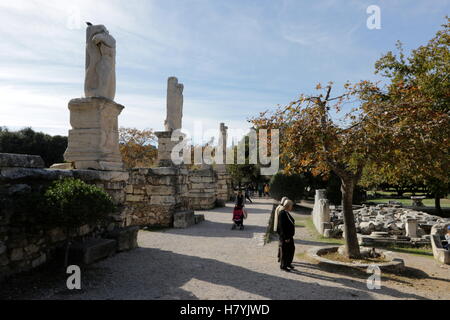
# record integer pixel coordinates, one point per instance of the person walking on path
(286, 231)
(275, 222)
(240, 199)
(247, 194)
(260, 190)
(266, 190)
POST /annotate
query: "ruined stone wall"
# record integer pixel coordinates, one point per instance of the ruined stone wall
(144, 197)
(202, 189)
(223, 187)
(153, 195)
(24, 243)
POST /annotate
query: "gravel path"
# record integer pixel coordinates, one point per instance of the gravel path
(211, 261)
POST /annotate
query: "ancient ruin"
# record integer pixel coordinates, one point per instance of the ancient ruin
(174, 105)
(382, 224)
(173, 122)
(94, 138)
(164, 196)
(100, 80)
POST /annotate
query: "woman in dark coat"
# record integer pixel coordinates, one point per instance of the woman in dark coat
(286, 231)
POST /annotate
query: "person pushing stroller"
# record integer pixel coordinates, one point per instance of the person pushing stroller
(238, 217)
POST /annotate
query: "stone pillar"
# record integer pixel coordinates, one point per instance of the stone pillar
(411, 228)
(165, 146)
(93, 142)
(321, 211)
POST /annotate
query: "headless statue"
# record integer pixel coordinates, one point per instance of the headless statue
(100, 78)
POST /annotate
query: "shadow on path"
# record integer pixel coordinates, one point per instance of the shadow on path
(148, 273)
(218, 230)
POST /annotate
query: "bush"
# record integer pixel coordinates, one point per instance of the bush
(71, 203)
(291, 186)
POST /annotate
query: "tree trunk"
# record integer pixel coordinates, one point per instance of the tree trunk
(351, 240)
(437, 203)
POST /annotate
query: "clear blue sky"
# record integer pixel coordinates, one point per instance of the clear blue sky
(235, 58)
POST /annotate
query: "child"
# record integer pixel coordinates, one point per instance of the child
(238, 217)
(447, 238)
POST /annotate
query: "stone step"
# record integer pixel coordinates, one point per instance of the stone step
(183, 219)
(91, 250)
(199, 218)
(126, 238)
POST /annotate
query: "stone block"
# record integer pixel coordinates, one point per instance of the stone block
(91, 250)
(134, 198)
(129, 188)
(126, 238)
(199, 218)
(183, 219)
(21, 160)
(15, 173)
(93, 142)
(165, 171)
(160, 190)
(162, 200)
(63, 166)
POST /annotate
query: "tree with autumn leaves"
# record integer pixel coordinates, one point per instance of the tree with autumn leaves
(402, 127)
(422, 76)
(137, 147)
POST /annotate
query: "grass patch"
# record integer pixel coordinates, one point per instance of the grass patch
(422, 251)
(309, 224)
(445, 203)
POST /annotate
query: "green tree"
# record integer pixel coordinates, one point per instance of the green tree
(28, 141)
(418, 82)
(291, 186)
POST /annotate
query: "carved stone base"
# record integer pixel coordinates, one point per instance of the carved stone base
(94, 138)
(165, 147)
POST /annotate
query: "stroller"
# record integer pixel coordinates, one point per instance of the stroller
(239, 215)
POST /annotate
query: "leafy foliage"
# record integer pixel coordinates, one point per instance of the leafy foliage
(291, 186)
(71, 203)
(27, 141)
(137, 147)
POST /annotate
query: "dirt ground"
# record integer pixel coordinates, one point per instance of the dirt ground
(211, 261)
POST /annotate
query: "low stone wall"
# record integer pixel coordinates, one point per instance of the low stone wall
(153, 195)
(24, 242)
(223, 187)
(202, 186)
(144, 197)
(437, 235)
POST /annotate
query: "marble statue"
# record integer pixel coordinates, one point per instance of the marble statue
(100, 78)
(174, 104)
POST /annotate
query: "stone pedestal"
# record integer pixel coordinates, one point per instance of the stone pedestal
(165, 147)
(411, 228)
(94, 138)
